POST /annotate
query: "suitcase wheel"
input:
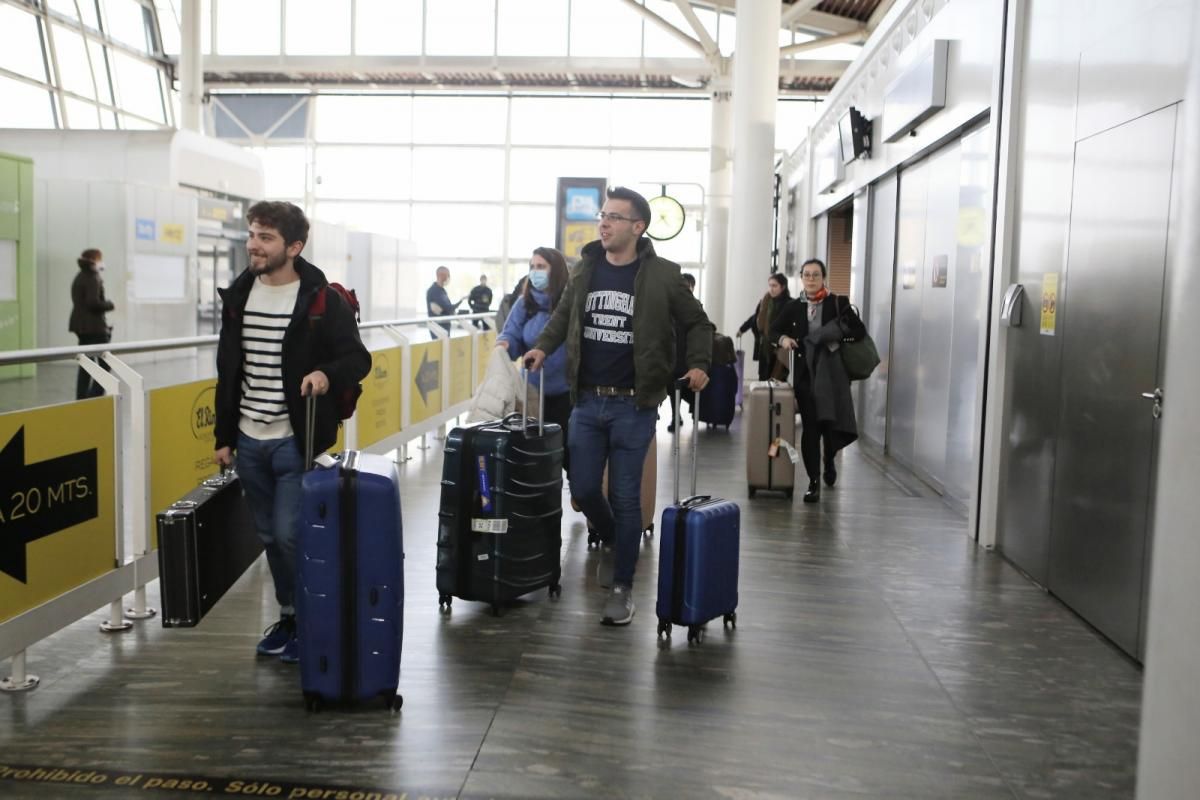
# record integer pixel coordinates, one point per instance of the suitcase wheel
(495, 610)
(312, 702)
(752, 491)
(664, 627)
(393, 701)
(695, 634)
(790, 493)
(556, 590)
(649, 532)
(730, 620)
(444, 601)
(593, 540)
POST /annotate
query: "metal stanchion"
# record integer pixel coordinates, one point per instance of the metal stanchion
(19, 680)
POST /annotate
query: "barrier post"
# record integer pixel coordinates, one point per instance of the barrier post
(405, 365)
(136, 483)
(18, 680)
(116, 621)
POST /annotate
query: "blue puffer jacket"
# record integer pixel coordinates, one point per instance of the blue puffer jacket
(522, 330)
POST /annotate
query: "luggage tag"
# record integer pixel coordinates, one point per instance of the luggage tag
(486, 525)
(773, 450)
(793, 456)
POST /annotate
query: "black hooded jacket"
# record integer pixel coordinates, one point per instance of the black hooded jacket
(330, 344)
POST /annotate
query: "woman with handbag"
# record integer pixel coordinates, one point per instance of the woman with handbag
(814, 325)
(766, 312)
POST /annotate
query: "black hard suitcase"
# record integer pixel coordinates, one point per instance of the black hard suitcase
(206, 540)
(500, 520)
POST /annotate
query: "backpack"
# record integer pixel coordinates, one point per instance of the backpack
(345, 400)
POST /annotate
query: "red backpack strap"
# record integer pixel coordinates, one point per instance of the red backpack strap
(317, 307)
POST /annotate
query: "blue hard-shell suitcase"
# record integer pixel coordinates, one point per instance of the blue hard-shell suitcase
(698, 557)
(720, 396)
(350, 583)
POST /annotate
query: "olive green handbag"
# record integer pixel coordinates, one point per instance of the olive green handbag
(859, 356)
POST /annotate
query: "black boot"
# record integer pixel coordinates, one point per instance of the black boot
(830, 473)
(814, 491)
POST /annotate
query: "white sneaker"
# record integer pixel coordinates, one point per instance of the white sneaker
(618, 608)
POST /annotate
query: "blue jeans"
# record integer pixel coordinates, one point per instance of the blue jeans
(270, 471)
(615, 431)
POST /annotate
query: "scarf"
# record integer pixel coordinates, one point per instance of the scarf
(814, 303)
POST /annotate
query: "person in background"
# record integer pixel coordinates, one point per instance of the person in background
(543, 289)
(685, 395)
(270, 357)
(88, 323)
(437, 301)
(480, 301)
(814, 325)
(765, 313)
(506, 302)
(620, 289)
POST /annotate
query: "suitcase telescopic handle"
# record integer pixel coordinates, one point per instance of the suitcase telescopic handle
(310, 428)
(679, 384)
(541, 416)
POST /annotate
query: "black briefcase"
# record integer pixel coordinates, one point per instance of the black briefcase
(206, 541)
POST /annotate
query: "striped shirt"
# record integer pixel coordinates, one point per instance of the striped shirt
(266, 318)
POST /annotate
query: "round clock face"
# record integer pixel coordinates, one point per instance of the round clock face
(666, 218)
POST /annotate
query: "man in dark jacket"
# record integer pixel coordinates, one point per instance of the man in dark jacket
(480, 300)
(617, 385)
(437, 301)
(88, 323)
(272, 355)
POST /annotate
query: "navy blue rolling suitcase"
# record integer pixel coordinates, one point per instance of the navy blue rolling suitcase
(350, 582)
(720, 396)
(697, 556)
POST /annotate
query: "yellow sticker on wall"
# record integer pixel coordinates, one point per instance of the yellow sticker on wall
(57, 501)
(1049, 303)
(171, 233)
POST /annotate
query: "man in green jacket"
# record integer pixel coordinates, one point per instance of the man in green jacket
(620, 359)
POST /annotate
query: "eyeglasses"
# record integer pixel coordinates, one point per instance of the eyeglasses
(604, 215)
(811, 275)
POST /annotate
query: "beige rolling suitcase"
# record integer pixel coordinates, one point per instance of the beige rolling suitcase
(649, 493)
(771, 421)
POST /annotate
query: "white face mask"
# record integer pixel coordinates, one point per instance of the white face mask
(99, 266)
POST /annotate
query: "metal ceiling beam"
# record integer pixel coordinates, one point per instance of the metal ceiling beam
(795, 11)
(856, 37)
(710, 47)
(667, 26)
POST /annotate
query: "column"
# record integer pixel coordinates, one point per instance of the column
(720, 187)
(1167, 763)
(755, 91)
(191, 67)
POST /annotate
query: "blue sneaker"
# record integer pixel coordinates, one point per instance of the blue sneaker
(291, 652)
(277, 637)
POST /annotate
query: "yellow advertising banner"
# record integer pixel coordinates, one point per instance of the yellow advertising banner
(1049, 303)
(379, 407)
(487, 341)
(460, 370)
(57, 501)
(182, 424)
(171, 233)
(425, 389)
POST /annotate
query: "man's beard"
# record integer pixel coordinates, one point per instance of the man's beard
(272, 265)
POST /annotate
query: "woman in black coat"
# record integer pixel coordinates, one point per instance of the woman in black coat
(814, 326)
(765, 313)
(88, 323)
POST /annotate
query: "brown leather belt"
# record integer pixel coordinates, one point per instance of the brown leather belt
(609, 391)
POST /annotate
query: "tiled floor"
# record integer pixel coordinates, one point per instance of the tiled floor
(878, 653)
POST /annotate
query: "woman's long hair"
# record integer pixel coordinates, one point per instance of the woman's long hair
(558, 280)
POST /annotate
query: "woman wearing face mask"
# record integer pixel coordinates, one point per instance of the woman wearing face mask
(88, 306)
(814, 325)
(546, 280)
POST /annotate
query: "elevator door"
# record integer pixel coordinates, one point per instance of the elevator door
(1110, 319)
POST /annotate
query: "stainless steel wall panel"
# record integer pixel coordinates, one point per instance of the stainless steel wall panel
(906, 329)
(970, 285)
(937, 314)
(1117, 246)
(881, 261)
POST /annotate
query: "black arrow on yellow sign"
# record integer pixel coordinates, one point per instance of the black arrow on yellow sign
(428, 377)
(41, 499)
